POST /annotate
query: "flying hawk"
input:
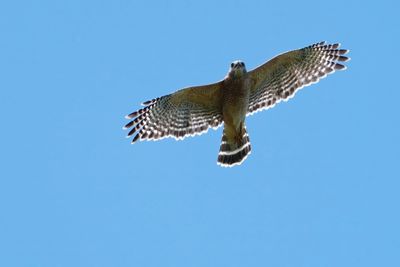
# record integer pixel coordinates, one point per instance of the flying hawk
(192, 110)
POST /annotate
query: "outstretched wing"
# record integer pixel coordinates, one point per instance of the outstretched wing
(186, 112)
(279, 78)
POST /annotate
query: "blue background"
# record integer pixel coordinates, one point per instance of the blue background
(321, 187)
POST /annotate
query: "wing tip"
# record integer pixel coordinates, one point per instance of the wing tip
(150, 102)
(135, 139)
(130, 116)
(340, 67)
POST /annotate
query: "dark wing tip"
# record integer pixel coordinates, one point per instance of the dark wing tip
(339, 66)
(128, 125)
(150, 102)
(134, 140)
(132, 115)
(146, 103)
(343, 51)
(343, 58)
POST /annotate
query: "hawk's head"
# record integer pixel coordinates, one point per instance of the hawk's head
(237, 68)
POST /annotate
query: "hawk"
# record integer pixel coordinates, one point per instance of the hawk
(193, 110)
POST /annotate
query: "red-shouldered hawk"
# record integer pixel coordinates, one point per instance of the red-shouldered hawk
(193, 110)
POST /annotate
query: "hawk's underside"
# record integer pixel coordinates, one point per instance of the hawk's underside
(193, 110)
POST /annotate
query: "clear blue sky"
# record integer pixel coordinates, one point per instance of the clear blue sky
(321, 187)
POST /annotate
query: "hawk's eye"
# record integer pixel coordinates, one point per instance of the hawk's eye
(232, 65)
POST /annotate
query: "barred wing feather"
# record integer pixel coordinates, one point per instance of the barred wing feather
(280, 78)
(187, 112)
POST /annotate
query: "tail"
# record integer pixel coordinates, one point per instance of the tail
(234, 150)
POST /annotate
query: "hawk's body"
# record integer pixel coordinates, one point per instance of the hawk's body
(235, 144)
(193, 110)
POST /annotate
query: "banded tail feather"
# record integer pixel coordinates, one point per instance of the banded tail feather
(233, 151)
